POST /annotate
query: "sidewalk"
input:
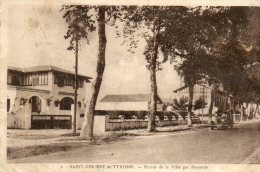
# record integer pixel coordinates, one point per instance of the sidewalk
(254, 158)
(23, 138)
(25, 143)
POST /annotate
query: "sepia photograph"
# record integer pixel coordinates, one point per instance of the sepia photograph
(130, 87)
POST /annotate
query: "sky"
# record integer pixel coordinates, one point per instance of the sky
(36, 37)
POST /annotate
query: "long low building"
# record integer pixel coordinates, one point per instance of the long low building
(127, 102)
(42, 97)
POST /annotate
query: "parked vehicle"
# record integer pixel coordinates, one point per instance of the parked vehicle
(222, 121)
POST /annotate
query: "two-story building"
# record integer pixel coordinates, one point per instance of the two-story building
(203, 92)
(43, 97)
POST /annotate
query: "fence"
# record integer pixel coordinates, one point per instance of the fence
(51, 121)
(15, 121)
(105, 123)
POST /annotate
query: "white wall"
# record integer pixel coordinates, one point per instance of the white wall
(15, 94)
(197, 94)
(129, 106)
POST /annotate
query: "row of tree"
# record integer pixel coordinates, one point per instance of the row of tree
(210, 44)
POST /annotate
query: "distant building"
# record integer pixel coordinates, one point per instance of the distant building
(204, 92)
(199, 91)
(128, 102)
(42, 97)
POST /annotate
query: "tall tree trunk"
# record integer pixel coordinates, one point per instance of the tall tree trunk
(74, 125)
(212, 99)
(228, 106)
(247, 107)
(242, 111)
(88, 125)
(256, 110)
(191, 92)
(154, 96)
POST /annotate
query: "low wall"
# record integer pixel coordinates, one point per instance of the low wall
(103, 123)
(15, 121)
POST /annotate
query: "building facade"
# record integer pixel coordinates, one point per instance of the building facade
(43, 97)
(203, 92)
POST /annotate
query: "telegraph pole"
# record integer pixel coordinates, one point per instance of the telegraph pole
(74, 127)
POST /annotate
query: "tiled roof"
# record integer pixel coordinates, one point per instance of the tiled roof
(181, 88)
(185, 86)
(128, 98)
(43, 68)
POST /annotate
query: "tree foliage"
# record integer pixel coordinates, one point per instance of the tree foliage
(220, 49)
(155, 24)
(81, 22)
(200, 103)
(180, 104)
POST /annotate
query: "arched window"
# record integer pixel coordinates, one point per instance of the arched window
(65, 103)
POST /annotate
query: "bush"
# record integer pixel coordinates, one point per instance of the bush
(200, 103)
(126, 114)
(139, 114)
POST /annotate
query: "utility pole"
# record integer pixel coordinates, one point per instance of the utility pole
(74, 127)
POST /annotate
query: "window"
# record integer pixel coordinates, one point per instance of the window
(40, 79)
(35, 79)
(8, 105)
(65, 103)
(62, 79)
(81, 83)
(9, 78)
(14, 78)
(55, 77)
(44, 78)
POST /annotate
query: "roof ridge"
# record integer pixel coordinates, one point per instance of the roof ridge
(127, 98)
(129, 94)
(46, 68)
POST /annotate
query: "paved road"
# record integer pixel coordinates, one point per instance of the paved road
(202, 146)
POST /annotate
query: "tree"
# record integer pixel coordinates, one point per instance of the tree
(214, 89)
(191, 74)
(154, 22)
(78, 27)
(92, 15)
(175, 32)
(200, 103)
(233, 55)
(197, 38)
(203, 59)
(218, 50)
(88, 125)
(180, 104)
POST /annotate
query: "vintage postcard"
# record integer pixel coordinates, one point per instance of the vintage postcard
(130, 86)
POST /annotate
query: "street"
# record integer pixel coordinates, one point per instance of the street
(203, 146)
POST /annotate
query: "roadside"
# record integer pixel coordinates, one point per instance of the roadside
(26, 143)
(254, 158)
(193, 146)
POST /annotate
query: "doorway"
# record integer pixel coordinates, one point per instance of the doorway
(36, 104)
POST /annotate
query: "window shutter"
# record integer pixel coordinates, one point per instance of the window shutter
(35, 80)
